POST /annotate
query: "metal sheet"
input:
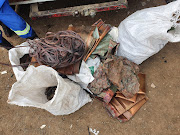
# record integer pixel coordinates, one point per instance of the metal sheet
(18, 2)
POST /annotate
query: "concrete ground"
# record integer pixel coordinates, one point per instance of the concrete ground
(159, 116)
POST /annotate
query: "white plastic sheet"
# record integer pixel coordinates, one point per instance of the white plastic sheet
(84, 77)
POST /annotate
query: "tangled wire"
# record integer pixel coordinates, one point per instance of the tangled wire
(58, 50)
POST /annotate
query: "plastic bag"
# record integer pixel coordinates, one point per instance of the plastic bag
(93, 64)
(14, 57)
(146, 32)
(114, 33)
(30, 91)
(84, 77)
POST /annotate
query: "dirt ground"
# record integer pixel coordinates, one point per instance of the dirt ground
(159, 116)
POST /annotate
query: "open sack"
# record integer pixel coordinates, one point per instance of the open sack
(147, 31)
(29, 90)
(14, 57)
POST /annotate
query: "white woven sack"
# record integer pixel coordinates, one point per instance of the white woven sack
(144, 33)
(30, 91)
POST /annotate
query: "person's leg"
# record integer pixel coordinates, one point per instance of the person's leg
(4, 43)
(7, 31)
(12, 20)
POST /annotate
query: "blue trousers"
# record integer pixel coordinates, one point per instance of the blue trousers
(12, 20)
(0, 36)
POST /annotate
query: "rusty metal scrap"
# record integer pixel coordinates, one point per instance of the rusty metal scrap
(50, 92)
(58, 50)
(100, 82)
(119, 72)
(123, 108)
(103, 29)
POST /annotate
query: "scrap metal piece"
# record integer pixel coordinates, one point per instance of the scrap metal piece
(25, 59)
(116, 71)
(100, 81)
(103, 29)
(124, 109)
(50, 91)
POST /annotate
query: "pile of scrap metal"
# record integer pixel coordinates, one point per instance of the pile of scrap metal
(117, 82)
(120, 86)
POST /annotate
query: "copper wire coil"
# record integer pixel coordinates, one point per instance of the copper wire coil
(58, 50)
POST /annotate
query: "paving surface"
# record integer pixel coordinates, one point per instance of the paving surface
(159, 116)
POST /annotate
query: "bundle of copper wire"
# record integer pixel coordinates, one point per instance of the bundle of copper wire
(58, 50)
